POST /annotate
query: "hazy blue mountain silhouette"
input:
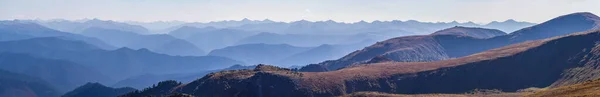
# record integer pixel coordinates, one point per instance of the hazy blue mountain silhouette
(23, 30)
(78, 27)
(19, 85)
(160, 43)
(117, 64)
(306, 40)
(258, 53)
(410, 27)
(157, 27)
(322, 53)
(187, 31)
(221, 24)
(509, 25)
(13, 36)
(97, 90)
(64, 75)
(216, 39)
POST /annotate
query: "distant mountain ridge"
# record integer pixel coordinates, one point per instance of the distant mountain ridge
(160, 43)
(333, 27)
(472, 32)
(25, 30)
(78, 27)
(127, 62)
(442, 47)
(258, 53)
(64, 75)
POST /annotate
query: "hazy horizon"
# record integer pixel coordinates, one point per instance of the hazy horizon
(480, 11)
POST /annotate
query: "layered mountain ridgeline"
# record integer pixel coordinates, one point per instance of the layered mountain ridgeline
(259, 53)
(472, 32)
(333, 27)
(211, 39)
(185, 32)
(509, 25)
(286, 55)
(157, 27)
(402, 27)
(118, 64)
(80, 26)
(442, 47)
(97, 90)
(143, 81)
(19, 85)
(309, 40)
(322, 53)
(585, 89)
(550, 62)
(16, 30)
(160, 43)
(64, 75)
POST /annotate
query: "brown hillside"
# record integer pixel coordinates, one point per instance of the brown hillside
(586, 89)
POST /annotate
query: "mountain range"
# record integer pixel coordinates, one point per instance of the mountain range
(19, 85)
(566, 54)
(434, 47)
(50, 58)
(78, 62)
(159, 43)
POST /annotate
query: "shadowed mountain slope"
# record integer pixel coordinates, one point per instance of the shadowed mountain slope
(65, 75)
(442, 47)
(18, 85)
(118, 64)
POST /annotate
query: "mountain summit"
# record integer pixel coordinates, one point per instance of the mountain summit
(470, 31)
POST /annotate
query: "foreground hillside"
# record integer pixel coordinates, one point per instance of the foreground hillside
(435, 47)
(378, 94)
(586, 89)
(550, 62)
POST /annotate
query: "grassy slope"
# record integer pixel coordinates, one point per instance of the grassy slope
(586, 89)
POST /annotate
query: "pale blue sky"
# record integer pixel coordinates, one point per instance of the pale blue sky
(480, 11)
